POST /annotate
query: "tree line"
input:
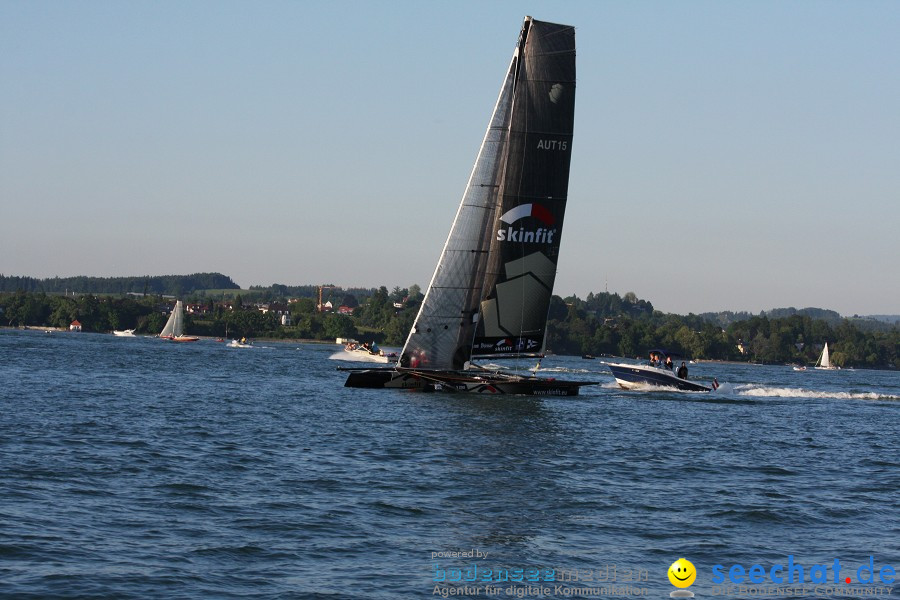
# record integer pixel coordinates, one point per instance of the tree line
(174, 285)
(585, 327)
(601, 324)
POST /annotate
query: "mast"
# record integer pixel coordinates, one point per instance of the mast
(179, 319)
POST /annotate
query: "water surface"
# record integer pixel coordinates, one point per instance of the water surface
(136, 468)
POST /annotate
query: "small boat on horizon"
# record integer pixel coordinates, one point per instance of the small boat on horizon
(824, 362)
(174, 328)
(124, 332)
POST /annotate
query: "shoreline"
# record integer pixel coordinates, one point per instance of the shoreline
(49, 329)
(210, 338)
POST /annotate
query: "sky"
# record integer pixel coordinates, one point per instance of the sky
(734, 156)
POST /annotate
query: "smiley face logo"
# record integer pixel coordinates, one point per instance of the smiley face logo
(682, 573)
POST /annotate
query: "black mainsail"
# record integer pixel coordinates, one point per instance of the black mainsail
(490, 292)
(529, 219)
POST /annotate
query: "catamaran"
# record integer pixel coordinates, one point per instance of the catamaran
(490, 293)
(174, 328)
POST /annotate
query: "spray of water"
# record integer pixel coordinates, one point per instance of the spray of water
(788, 392)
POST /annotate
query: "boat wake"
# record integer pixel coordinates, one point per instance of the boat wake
(758, 391)
(747, 392)
(565, 370)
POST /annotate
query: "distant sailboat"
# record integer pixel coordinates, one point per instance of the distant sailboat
(490, 293)
(174, 329)
(825, 360)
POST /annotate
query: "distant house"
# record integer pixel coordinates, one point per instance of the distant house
(281, 311)
(196, 309)
(343, 309)
(75, 325)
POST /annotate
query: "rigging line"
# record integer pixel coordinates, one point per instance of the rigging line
(537, 197)
(540, 132)
(554, 53)
(546, 34)
(453, 287)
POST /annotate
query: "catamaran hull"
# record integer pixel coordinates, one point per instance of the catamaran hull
(436, 381)
(636, 376)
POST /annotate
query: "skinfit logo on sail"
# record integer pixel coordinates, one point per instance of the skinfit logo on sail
(541, 235)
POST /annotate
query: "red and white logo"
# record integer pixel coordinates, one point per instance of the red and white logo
(538, 211)
(541, 235)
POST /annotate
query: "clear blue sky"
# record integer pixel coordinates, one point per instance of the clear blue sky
(727, 156)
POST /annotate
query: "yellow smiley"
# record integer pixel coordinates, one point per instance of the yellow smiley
(682, 573)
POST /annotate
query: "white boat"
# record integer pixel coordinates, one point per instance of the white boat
(242, 343)
(174, 328)
(368, 353)
(124, 333)
(490, 293)
(824, 361)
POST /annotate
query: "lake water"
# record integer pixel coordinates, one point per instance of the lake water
(138, 468)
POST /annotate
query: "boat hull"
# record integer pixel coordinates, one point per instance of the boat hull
(635, 376)
(461, 381)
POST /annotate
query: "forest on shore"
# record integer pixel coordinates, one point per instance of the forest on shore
(601, 324)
